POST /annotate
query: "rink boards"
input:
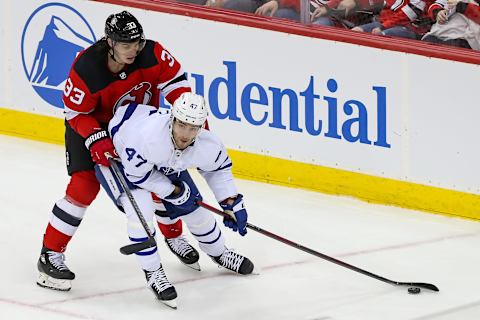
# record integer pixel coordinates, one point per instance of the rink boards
(293, 109)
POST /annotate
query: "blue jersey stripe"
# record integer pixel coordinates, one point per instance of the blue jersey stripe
(213, 241)
(142, 180)
(128, 113)
(146, 253)
(205, 234)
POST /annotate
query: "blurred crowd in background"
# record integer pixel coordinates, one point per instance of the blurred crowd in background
(445, 22)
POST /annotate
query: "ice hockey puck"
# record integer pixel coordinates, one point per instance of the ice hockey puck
(414, 290)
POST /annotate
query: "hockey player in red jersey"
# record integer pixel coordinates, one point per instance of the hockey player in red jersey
(400, 18)
(120, 68)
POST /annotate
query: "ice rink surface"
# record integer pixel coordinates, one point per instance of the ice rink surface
(398, 244)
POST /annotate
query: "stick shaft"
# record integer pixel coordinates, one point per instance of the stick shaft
(319, 254)
(124, 185)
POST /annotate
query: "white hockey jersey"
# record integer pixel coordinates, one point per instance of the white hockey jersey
(142, 138)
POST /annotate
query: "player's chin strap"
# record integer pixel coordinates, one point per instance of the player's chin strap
(170, 127)
(298, 246)
(111, 50)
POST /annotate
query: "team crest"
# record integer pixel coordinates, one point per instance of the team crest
(140, 94)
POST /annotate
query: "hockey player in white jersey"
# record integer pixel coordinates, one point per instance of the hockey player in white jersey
(156, 150)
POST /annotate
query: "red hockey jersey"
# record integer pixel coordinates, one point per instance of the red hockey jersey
(405, 13)
(92, 92)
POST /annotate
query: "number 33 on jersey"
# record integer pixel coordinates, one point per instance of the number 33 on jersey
(93, 89)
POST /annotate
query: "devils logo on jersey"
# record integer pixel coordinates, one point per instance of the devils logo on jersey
(140, 94)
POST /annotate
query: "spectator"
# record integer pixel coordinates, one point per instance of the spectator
(341, 13)
(249, 6)
(287, 9)
(457, 23)
(405, 19)
(346, 13)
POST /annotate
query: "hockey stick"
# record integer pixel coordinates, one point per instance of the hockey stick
(135, 247)
(269, 234)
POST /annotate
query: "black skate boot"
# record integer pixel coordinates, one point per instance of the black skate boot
(234, 262)
(184, 251)
(54, 274)
(162, 288)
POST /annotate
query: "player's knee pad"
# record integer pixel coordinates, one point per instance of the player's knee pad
(205, 229)
(83, 188)
(198, 219)
(135, 230)
(143, 204)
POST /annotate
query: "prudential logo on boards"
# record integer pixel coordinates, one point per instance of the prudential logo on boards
(52, 37)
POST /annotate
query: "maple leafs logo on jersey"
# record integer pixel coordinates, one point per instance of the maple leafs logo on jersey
(166, 170)
(140, 94)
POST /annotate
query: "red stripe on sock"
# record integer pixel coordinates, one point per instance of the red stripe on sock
(55, 240)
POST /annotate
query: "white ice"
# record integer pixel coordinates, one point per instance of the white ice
(398, 244)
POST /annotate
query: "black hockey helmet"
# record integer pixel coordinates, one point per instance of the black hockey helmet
(123, 27)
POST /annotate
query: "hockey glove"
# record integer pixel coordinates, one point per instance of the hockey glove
(184, 200)
(238, 215)
(101, 147)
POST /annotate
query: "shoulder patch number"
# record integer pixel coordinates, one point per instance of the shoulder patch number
(132, 155)
(76, 95)
(167, 57)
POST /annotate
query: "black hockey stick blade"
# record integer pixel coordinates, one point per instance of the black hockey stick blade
(136, 247)
(422, 285)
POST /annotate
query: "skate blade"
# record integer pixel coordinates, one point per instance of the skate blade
(194, 266)
(48, 282)
(170, 303)
(256, 271)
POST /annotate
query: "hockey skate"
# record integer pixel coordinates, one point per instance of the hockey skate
(162, 288)
(54, 274)
(184, 251)
(234, 262)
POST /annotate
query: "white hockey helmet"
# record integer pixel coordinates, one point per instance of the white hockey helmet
(190, 108)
